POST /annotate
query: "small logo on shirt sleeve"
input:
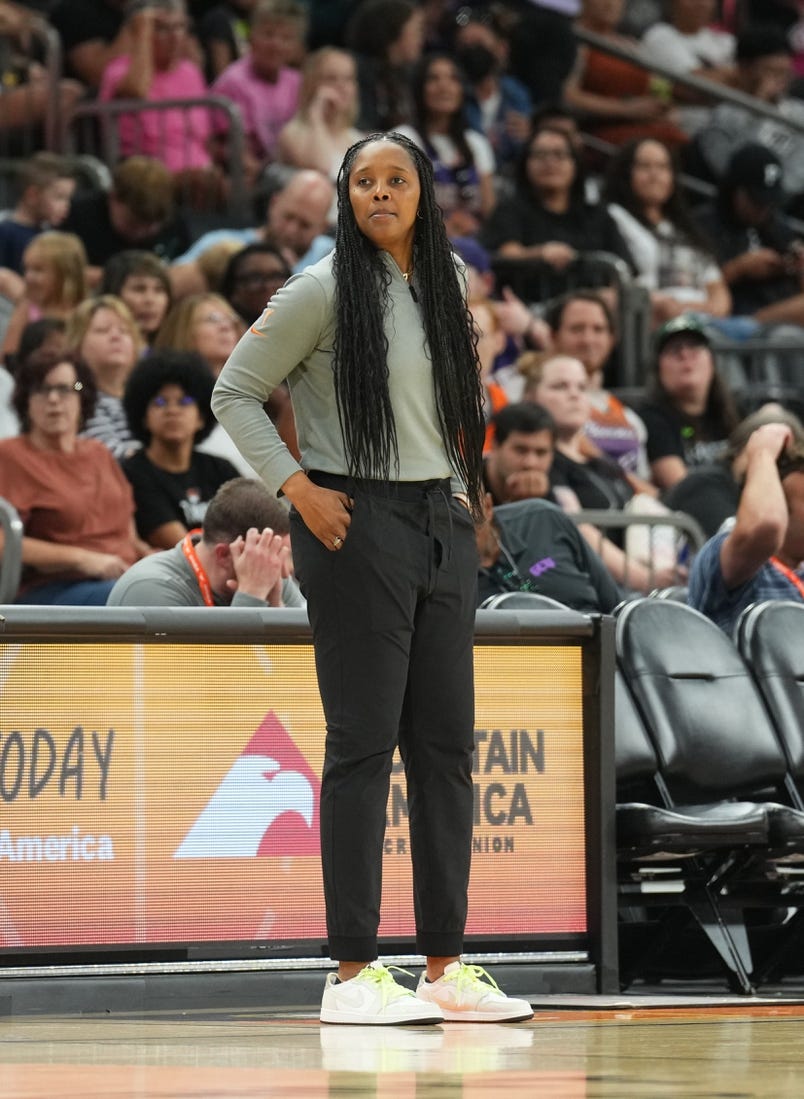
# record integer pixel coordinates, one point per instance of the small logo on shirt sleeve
(255, 328)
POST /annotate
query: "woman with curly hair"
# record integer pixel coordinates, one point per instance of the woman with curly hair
(167, 404)
(377, 346)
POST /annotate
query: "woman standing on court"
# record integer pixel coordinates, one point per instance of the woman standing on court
(376, 345)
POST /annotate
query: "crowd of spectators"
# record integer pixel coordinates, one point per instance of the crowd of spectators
(121, 300)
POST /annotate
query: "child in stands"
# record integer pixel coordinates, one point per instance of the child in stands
(140, 279)
(55, 277)
(45, 190)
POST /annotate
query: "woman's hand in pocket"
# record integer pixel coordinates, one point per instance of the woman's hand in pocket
(326, 513)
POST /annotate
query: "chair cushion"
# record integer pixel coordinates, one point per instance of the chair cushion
(691, 829)
(785, 827)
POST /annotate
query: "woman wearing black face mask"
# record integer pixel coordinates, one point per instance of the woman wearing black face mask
(497, 105)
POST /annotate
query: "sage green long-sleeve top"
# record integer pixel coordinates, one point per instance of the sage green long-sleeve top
(293, 340)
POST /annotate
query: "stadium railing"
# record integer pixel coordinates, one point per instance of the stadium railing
(536, 281)
(11, 556)
(36, 133)
(686, 532)
(93, 128)
(708, 88)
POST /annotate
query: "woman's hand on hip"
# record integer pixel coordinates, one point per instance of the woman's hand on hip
(326, 513)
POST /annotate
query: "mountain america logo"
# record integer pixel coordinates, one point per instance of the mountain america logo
(267, 805)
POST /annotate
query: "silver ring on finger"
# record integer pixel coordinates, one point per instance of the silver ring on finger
(337, 542)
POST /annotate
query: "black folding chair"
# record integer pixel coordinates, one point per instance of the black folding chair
(714, 741)
(673, 860)
(770, 637)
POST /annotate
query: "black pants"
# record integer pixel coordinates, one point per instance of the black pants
(392, 615)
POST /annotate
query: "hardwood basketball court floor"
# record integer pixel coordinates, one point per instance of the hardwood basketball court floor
(637, 1048)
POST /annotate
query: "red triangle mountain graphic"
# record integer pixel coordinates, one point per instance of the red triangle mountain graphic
(288, 833)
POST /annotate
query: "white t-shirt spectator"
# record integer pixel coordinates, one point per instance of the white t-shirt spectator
(663, 44)
(664, 260)
(708, 48)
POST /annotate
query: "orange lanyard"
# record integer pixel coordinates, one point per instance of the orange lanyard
(793, 577)
(188, 548)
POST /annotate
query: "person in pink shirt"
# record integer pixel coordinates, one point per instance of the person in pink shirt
(263, 84)
(155, 68)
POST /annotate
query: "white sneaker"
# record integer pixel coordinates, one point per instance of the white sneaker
(467, 993)
(373, 998)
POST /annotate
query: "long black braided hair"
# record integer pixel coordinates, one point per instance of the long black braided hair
(361, 348)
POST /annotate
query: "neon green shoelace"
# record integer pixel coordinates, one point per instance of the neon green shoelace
(382, 976)
(472, 975)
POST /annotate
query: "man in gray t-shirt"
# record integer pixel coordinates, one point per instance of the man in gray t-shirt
(240, 557)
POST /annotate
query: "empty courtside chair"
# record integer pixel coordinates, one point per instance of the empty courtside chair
(522, 601)
(770, 637)
(712, 734)
(673, 860)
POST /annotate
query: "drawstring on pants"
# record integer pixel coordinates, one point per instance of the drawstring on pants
(435, 496)
(435, 493)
